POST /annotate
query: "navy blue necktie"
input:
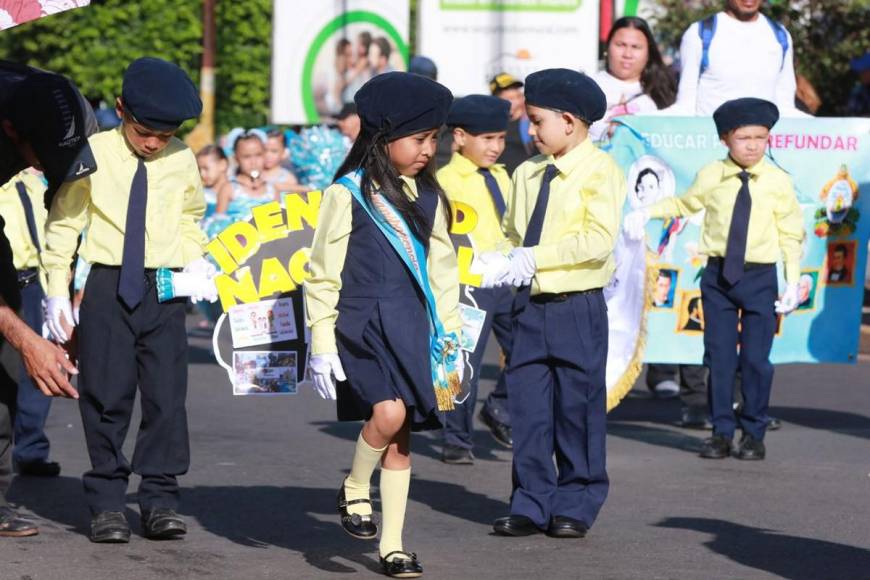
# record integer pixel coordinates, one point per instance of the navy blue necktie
(131, 283)
(735, 250)
(28, 213)
(494, 191)
(536, 226)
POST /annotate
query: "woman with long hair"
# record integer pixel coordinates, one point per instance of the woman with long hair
(635, 79)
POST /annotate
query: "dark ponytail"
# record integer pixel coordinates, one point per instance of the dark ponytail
(370, 153)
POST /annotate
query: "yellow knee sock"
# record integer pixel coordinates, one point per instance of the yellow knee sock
(356, 486)
(394, 500)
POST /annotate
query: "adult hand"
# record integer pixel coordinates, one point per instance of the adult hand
(789, 300)
(522, 267)
(48, 365)
(58, 316)
(635, 224)
(323, 367)
(202, 267)
(493, 267)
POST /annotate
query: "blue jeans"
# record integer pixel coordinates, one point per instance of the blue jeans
(31, 443)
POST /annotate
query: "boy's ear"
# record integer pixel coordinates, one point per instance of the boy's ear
(459, 136)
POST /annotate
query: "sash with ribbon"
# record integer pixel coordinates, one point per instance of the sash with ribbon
(443, 346)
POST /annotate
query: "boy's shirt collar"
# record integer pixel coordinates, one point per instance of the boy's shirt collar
(465, 166)
(570, 160)
(732, 168)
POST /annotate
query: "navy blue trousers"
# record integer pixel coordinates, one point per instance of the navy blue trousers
(31, 443)
(750, 302)
(459, 426)
(558, 401)
(120, 350)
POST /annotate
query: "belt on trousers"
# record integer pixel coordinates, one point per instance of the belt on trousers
(561, 296)
(27, 277)
(746, 265)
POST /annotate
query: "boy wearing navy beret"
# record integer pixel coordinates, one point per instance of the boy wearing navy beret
(752, 217)
(474, 178)
(563, 219)
(141, 207)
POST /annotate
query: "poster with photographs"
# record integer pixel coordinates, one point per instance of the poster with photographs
(473, 320)
(323, 54)
(262, 322)
(264, 372)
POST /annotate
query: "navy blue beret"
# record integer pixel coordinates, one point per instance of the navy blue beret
(746, 111)
(479, 114)
(159, 95)
(401, 104)
(566, 90)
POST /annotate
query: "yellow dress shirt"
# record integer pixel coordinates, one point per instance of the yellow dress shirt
(24, 252)
(776, 223)
(328, 252)
(582, 221)
(99, 202)
(462, 183)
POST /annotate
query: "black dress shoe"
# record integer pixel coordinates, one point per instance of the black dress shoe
(360, 527)
(695, 418)
(405, 565)
(110, 528)
(500, 432)
(455, 455)
(565, 527)
(38, 468)
(751, 449)
(515, 525)
(162, 524)
(716, 447)
(13, 525)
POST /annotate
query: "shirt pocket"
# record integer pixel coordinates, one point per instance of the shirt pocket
(166, 195)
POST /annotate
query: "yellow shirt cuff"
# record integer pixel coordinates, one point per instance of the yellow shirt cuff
(546, 257)
(792, 272)
(323, 339)
(58, 285)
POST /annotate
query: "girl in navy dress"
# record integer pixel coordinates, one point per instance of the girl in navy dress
(382, 300)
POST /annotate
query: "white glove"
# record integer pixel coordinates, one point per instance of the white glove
(493, 267)
(201, 266)
(195, 285)
(635, 224)
(789, 300)
(323, 367)
(55, 308)
(522, 267)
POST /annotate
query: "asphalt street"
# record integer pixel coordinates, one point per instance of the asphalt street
(260, 496)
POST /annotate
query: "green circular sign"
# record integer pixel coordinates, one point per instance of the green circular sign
(325, 33)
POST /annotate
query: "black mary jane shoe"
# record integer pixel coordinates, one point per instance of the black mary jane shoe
(360, 527)
(405, 566)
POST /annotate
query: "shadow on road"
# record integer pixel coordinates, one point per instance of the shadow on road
(786, 556)
(840, 422)
(659, 436)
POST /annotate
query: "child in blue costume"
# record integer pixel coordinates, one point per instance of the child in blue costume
(382, 299)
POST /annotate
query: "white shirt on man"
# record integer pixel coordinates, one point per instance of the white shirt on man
(623, 98)
(745, 60)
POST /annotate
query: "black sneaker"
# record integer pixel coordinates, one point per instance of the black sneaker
(13, 525)
(455, 455)
(716, 447)
(38, 468)
(751, 449)
(110, 528)
(162, 524)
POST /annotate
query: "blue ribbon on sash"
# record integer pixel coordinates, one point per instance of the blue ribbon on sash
(443, 346)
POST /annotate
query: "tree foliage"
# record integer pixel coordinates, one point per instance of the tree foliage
(827, 34)
(94, 45)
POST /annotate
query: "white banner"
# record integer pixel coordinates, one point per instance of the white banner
(323, 51)
(473, 40)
